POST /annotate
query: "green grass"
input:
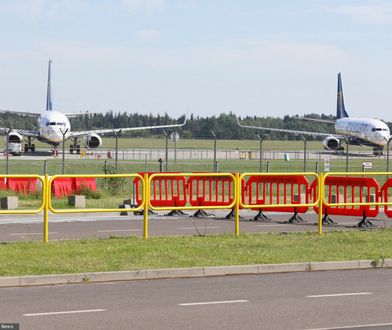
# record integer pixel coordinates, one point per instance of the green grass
(117, 254)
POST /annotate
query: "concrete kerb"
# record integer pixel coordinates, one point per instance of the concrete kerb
(20, 281)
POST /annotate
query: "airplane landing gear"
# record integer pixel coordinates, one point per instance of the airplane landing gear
(74, 148)
(29, 146)
(377, 152)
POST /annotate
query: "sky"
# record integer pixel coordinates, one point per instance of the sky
(205, 57)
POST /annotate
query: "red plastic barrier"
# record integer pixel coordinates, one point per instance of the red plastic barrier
(85, 183)
(165, 191)
(3, 184)
(211, 191)
(168, 191)
(277, 190)
(340, 189)
(22, 185)
(62, 187)
(384, 195)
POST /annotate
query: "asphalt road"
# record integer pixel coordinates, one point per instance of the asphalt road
(318, 300)
(76, 226)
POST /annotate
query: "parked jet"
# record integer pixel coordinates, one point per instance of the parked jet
(54, 125)
(354, 131)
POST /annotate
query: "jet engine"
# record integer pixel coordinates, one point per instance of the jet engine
(14, 143)
(331, 143)
(93, 140)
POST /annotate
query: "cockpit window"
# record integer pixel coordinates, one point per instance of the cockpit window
(60, 124)
(52, 123)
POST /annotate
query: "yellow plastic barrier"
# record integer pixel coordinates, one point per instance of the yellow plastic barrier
(232, 205)
(235, 194)
(48, 204)
(27, 211)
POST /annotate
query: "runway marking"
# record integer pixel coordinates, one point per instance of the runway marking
(360, 326)
(117, 230)
(25, 234)
(339, 295)
(214, 302)
(199, 227)
(67, 312)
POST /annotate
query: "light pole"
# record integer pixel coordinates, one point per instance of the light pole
(261, 153)
(215, 164)
(388, 143)
(63, 132)
(304, 139)
(7, 150)
(166, 149)
(346, 139)
(116, 151)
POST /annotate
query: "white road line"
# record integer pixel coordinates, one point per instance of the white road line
(214, 302)
(67, 312)
(117, 230)
(359, 326)
(26, 234)
(339, 295)
(199, 227)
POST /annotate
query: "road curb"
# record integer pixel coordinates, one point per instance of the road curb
(35, 280)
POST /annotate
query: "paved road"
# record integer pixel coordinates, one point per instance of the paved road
(275, 301)
(76, 226)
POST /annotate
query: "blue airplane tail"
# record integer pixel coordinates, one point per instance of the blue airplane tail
(49, 90)
(340, 109)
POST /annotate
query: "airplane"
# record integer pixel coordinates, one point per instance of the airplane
(366, 132)
(54, 126)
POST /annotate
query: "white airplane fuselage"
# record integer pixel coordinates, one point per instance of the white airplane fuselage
(366, 131)
(52, 126)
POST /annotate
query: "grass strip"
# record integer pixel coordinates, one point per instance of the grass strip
(116, 254)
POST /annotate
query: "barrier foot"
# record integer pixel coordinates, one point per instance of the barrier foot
(260, 216)
(327, 220)
(175, 213)
(365, 223)
(231, 215)
(202, 214)
(295, 218)
(141, 212)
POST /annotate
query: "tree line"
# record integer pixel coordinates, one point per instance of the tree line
(225, 125)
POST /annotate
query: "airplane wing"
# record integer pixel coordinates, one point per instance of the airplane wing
(20, 113)
(283, 130)
(119, 130)
(24, 132)
(326, 121)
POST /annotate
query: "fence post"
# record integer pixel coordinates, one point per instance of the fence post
(146, 198)
(237, 204)
(321, 199)
(45, 196)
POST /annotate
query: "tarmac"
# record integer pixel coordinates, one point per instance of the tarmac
(149, 274)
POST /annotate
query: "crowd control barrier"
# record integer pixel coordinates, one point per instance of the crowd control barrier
(169, 191)
(276, 192)
(343, 195)
(384, 195)
(205, 190)
(25, 184)
(90, 178)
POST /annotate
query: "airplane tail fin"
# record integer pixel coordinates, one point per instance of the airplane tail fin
(340, 109)
(49, 90)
